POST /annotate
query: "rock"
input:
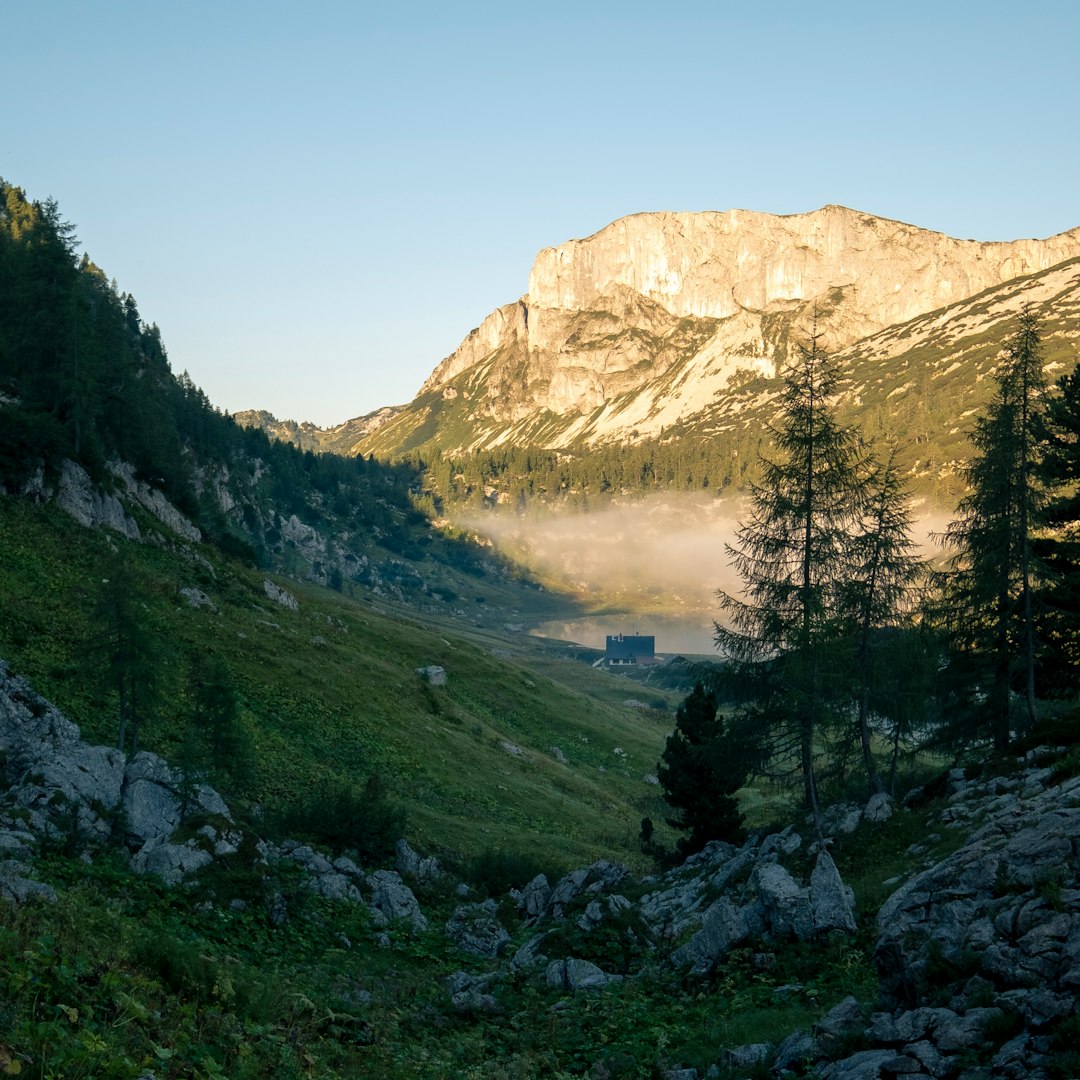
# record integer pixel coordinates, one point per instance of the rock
(723, 926)
(929, 1057)
(394, 900)
(794, 1054)
(280, 596)
(785, 905)
(475, 928)
(837, 1024)
(196, 598)
(597, 911)
(151, 802)
(170, 862)
(470, 994)
(869, 1065)
(953, 1033)
(878, 809)
(79, 497)
(409, 864)
(530, 955)
(597, 309)
(152, 500)
(566, 889)
(18, 886)
(433, 675)
(535, 898)
(577, 975)
(830, 901)
(749, 1056)
(558, 755)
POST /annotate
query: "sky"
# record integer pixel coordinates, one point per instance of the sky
(317, 201)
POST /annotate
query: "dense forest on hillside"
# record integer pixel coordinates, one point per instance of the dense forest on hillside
(84, 377)
(520, 476)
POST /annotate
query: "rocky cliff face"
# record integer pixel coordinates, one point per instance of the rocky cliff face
(599, 308)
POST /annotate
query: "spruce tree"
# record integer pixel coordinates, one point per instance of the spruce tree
(880, 594)
(988, 588)
(794, 554)
(700, 771)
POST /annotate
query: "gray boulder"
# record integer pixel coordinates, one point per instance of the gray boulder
(393, 900)
(18, 886)
(831, 902)
(475, 928)
(530, 955)
(785, 905)
(577, 975)
(723, 926)
(878, 809)
(838, 1023)
(432, 674)
(470, 994)
(869, 1065)
(535, 898)
(409, 864)
(171, 862)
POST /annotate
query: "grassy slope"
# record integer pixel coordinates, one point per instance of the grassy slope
(330, 691)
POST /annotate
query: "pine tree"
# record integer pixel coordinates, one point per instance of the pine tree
(1059, 598)
(794, 555)
(988, 587)
(700, 771)
(880, 592)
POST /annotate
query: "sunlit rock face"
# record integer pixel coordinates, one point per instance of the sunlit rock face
(643, 326)
(609, 313)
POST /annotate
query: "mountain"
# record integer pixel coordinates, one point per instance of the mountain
(665, 324)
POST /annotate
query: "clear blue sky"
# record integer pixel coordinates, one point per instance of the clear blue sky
(316, 201)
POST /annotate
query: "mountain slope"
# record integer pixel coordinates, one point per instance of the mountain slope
(662, 320)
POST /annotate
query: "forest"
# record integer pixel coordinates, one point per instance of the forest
(84, 377)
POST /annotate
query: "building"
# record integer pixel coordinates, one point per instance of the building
(625, 650)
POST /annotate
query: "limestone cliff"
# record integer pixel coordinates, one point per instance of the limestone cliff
(646, 324)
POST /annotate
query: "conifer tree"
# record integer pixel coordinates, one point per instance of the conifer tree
(794, 554)
(880, 592)
(700, 771)
(1059, 598)
(988, 588)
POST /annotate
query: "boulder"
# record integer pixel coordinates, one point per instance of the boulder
(831, 902)
(529, 956)
(785, 905)
(470, 994)
(475, 928)
(535, 898)
(577, 975)
(18, 886)
(392, 899)
(723, 926)
(171, 862)
(878, 809)
(409, 864)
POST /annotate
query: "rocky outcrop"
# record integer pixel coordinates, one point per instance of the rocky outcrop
(54, 787)
(640, 326)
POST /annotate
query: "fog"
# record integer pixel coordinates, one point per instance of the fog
(651, 566)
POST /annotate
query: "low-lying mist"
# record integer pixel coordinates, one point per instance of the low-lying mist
(652, 565)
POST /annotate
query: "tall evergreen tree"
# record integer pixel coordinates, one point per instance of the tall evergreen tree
(132, 653)
(880, 592)
(1059, 548)
(700, 772)
(794, 555)
(988, 587)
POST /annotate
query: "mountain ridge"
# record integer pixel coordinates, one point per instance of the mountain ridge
(669, 324)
